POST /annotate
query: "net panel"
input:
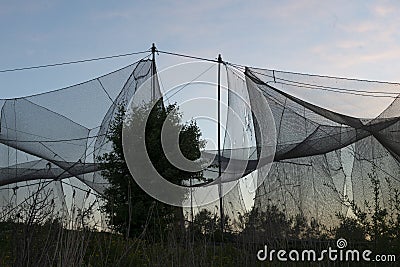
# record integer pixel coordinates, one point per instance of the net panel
(308, 174)
(53, 140)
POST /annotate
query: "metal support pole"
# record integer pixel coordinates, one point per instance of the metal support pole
(153, 72)
(191, 201)
(221, 208)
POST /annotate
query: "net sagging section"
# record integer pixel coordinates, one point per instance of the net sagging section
(53, 140)
(324, 157)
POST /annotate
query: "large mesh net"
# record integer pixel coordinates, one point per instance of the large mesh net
(325, 158)
(51, 142)
(322, 158)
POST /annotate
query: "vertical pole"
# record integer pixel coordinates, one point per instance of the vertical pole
(221, 208)
(191, 200)
(153, 72)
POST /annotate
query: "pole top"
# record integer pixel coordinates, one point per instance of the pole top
(219, 58)
(153, 48)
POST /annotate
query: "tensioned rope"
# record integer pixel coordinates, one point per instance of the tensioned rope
(240, 66)
(282, 81)
(373, 94)
(188, 56)
(72, 62)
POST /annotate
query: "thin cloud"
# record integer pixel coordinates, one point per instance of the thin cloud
(384, 10)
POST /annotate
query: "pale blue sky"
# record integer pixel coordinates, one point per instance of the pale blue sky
(341, 38)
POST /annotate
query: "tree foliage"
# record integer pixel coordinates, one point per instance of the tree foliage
(129, 209)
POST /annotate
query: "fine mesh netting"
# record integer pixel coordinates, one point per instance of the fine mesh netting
(53, 140)
(303, 154)
(322, 158)
(316, 145)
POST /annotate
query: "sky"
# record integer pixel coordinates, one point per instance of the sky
(340, 38)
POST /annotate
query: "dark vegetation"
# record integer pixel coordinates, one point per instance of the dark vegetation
(145, 232)
(127, 206)
(50, 243)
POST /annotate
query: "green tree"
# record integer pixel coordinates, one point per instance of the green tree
(130, 210)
